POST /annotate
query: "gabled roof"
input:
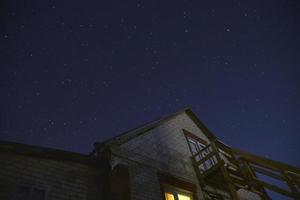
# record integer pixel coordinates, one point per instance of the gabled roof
(55, 154)
(140, 130)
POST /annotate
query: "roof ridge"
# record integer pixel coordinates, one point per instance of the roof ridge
(132, 133)
(139, 129)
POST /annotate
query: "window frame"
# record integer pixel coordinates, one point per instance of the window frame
(199, 142)
(175, 191)
(174, 185)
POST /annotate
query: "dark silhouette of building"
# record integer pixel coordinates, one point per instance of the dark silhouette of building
(173, 158)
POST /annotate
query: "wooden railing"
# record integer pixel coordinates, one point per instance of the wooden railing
(242, 170)
(205, 159)
(266, 173)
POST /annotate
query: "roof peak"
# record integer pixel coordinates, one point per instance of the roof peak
(132, 133)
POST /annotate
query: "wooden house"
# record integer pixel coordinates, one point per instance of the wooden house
(173, 158)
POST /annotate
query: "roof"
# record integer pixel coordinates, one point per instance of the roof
(140, 130)
(43, 152)
(56, 154)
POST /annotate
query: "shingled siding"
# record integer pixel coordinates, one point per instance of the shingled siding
(62, 180)
(162, 149)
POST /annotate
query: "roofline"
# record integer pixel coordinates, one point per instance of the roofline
(56, 154)
(151, 125)
(43, 152)
(208, 133)
(141, 129)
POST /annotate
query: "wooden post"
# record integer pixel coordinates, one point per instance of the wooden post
(231, 187)
(291, 185)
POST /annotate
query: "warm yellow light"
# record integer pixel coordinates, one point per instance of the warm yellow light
(169, 196)
(183, 197)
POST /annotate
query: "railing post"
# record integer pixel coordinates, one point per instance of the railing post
(215, 149)
(225, 173)
(250, 175)
(291, 185)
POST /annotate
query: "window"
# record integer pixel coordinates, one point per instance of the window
(176, 189)
(172, 193)
(169, 196)
(196, 144)
(30, 193)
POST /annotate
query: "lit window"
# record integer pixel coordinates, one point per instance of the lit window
(177, 195)
(174, 188)
(183, 197)
(169, 196)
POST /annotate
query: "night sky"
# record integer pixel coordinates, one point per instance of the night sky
(76, 72)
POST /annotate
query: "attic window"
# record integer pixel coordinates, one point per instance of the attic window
(198, 149)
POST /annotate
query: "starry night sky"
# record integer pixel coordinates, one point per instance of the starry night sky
(76, 72)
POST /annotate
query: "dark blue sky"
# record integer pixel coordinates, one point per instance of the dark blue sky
(76, 72)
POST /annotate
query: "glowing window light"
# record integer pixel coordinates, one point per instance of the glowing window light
(183, 197)
(169, 196)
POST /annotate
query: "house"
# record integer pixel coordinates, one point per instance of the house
(173, 158)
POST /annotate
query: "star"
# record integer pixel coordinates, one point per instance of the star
(63, 68)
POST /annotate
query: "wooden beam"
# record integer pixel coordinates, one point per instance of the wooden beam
(231, 187)
(275, 188)
(291, 184)
(268, 173)
(201, 151)
(274, 165)
(208, 156)
(210, 170)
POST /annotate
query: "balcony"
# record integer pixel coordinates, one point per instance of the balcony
(219, 166)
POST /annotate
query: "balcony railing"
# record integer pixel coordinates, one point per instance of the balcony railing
(243, 170)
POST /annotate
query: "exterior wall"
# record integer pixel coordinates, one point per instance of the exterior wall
(163, 149)
(62, 180)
